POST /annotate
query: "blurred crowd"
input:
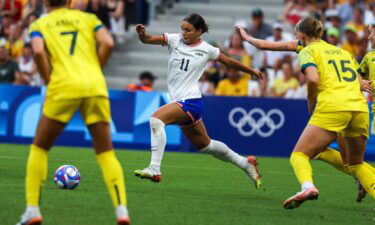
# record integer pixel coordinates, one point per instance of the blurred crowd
(345, 23)
(16, 61)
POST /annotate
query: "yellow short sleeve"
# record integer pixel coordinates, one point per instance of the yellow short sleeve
(299, 46)
(306, 59)
(96, 23)
(35, 31)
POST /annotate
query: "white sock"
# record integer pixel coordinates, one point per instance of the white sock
(307, 185)
(158, 142)
(33, 210)
(221, 151)
(121, 211)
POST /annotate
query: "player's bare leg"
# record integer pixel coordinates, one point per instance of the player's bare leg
(46, 134)
(198, 136)
(312, 141)
(338, 159)
(167, 114)
(361, 194)
(48, 130)
(342, 148)
(111, 169)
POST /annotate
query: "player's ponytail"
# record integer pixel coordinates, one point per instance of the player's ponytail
(57, 3)
(197, 21)
(311, 27)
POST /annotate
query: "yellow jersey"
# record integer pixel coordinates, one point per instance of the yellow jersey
(227, 88)
(338, 87)
(360, 28)
(299, 46)
(367, 70)
(281, 86)
(367, 66)
(351, 48)
(69, 37)
(15, 49)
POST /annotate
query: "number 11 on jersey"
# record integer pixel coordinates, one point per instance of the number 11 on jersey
(182, 64)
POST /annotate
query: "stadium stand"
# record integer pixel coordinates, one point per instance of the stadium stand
(133, 57)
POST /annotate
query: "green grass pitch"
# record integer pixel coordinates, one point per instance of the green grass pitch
(197, 190)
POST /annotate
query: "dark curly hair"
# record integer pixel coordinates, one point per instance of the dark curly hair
(197, 21)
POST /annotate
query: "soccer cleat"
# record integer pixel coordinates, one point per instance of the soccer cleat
(30, 219)
(299, 198)
(123, 220)
(148, 173)
(122, 215)
(252, 171)
(361, 191)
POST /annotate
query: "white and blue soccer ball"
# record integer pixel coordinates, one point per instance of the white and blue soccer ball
(67, 177)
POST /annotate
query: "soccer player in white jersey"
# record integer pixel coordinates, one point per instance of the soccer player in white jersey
(188, 56)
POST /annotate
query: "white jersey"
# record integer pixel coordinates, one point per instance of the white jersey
(186, 65)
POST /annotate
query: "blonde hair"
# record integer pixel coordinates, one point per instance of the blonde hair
(310, 26)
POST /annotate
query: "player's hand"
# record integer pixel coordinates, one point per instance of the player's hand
(141, 29)
(256, 75)
(243, 33)
(366, 86)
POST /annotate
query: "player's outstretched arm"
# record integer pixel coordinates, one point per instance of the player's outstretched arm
(41, 58)
(147, 38)
(106, 44)
(232, 63)
(268, 45)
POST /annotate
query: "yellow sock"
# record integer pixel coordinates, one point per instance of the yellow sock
(113, 176)
(365, 176)
(36, 174)
(302, 168)
(333, 158)
(369, 167)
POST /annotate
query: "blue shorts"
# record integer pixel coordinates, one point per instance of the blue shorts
(194, 108)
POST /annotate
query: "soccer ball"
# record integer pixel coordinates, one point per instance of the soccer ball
(67, 177)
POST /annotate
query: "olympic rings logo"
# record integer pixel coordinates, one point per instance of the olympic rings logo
(248, 120)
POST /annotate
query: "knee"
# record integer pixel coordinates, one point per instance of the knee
(156, 125)
(156, 114)
(155, 122)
